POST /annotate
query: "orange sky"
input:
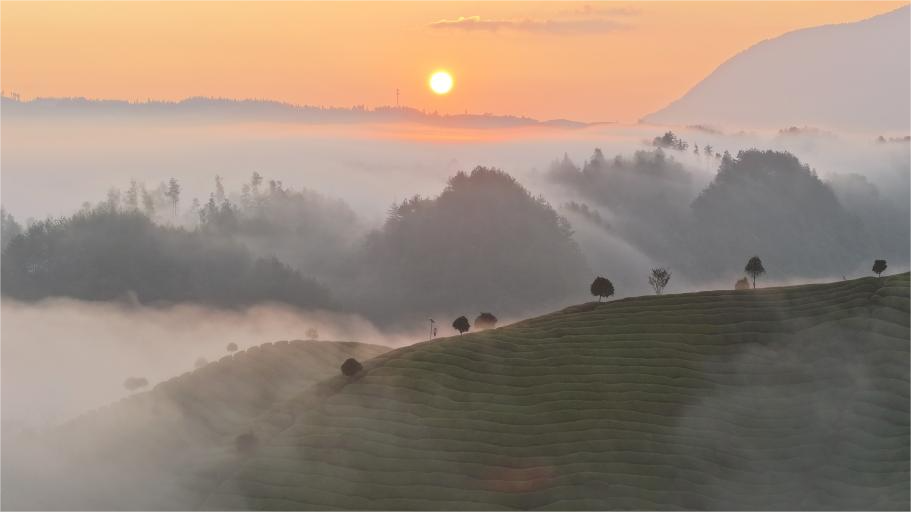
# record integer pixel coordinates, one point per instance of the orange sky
(592, 61)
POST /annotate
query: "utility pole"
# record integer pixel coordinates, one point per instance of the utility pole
(431, 328)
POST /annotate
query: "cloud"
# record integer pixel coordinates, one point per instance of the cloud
(588, 25)
(588, 10)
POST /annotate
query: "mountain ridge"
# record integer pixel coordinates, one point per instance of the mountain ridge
(799, 78)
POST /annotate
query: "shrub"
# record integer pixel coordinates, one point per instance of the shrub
(351, 367)
(485, 321)
(742, 284)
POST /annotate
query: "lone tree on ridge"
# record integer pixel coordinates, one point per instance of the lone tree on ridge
(754, 268)
(602, 287)
(659, 279)
(879, 266)
(461, 324)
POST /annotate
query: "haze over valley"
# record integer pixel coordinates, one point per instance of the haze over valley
(245, 303)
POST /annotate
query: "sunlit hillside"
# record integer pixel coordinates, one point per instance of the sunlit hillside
(783, 398)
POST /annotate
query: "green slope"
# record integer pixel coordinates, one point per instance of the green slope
(164, 448)
(784, 398)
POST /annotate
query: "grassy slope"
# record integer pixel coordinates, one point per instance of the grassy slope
(783, 398)
(161, 448)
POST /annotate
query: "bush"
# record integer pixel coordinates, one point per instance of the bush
(485, 321)
(351, 367)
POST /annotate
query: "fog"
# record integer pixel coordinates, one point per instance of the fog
(63, 357)
(52, 167)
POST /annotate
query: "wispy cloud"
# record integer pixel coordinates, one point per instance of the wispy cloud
(585, 25)
(588, 10)
(580, 20)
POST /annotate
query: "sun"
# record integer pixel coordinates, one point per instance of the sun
(441, 82)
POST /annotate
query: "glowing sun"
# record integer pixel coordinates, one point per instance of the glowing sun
(441, 82)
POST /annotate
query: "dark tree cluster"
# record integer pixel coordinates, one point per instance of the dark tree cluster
(106, 255)
(670, 141)
(485, 239)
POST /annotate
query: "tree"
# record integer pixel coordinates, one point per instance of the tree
(312, 333)
(131, 200)
(659, 279)
(219, 190)
(754, 268)
(173, 193)
(742, 284)
(485, 321)
(148, 201)
(461, 324)
(879, 266)
(602, 287)
(200, 362)
(9, 228)
(232, 347)
(351, 367)
(134, 383)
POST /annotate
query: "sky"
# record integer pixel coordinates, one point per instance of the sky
(586, 61)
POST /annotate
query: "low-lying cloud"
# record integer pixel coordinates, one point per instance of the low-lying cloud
(62, 357)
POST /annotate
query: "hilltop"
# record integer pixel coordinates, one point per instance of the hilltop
(779, 398)
(850, 76)
(158, 449)
(212, 110)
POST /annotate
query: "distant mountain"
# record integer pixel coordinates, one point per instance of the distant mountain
(852, 76)
(200, 109)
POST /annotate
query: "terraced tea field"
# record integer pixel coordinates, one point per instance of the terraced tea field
(780, 398)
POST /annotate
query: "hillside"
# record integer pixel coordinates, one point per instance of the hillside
(159, 449)
(852, 76)
(779, 398)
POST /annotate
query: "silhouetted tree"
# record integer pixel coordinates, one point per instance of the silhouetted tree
(670, 141)
(134, 383)
(232, 347)
(351, 367)
(131, 198)
(659, 279)
(148, 201)
(754, 268)
(879, 266)
(9, 228)
(742, 284)
(602, 287)
(219, 190)
(173, 194)
(461, 324)
(312, 333)
(485, 321)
